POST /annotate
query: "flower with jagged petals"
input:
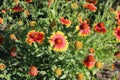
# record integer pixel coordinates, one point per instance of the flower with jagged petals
(117, 33)
(118, 17)
(1, 20)
(65, 21)
(80, 76)
(58, 41)
(58, 72)
(83, 28)
(28, 0)
(92, 1)
(2, 66)
(89, 62)
(100, 27)
(117, 54)
(90, 7)
(18, 8)
(34, 36)
(1, 39)
(33, 71)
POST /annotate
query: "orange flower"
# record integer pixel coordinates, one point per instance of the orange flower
(117, 54)
(34, 36)
(91, 50)
(58, 41)
(2, 66)
(113, 66)
(28, 0)
(1, 20)
(18, 8)
(90, 7)
(65, 21)
(92, 1)
(1, 39)
(26, 12)
(89, 62)
(117, 33)
(118, 17)
(100, 27)
(83, 28)
(49, 3)
(3, 11)
(33, 71)
(13, 37)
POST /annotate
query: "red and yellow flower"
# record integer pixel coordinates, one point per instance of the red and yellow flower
(65, 21)
(18, 8)
(100, 27)
(117, 33)
(117, 54)
(83, 28)
(90, 7)
(118, 17)
(33, 71)
(34, 36)
(59, 41)
(89, 61)
(1, 20)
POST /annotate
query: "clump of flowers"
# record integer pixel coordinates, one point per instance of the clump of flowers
(33, 71)
(58, 41)
(65, 21)
(89, 61)
(90, 7)
(100, 27)
(83, 28)
(18, 8)
(34, 36)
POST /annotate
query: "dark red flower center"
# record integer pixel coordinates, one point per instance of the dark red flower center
(83, 26)
(58, 40)
(118, 33)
